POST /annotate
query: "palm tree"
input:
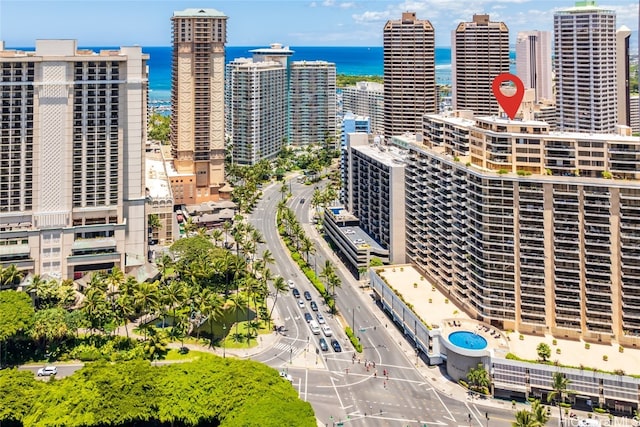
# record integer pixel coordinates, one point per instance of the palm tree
(210, 305)
(147, 298)
(539, 412)
(525, 418)
(156, 346)
(279, 285)
(173, 296)
(559, 386)
(35, 289)
(11, 276)
(226, 227)
(216, 235)
(307, 247)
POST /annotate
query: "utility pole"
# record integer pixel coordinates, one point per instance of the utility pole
(486, 415)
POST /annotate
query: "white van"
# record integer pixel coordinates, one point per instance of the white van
(315, 328)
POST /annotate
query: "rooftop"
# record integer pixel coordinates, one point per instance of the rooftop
(198, 13)
(433, 307)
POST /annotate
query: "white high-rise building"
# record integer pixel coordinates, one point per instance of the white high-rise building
(366, 99)
(533, 62)
(623, 36)
(585, 65)
(312, 97)
(72, 134)
(256, 97)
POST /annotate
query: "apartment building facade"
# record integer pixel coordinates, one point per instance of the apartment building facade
(479, 53)
(312, 98)
(375, 193)
(197, 99)
(585, 68)
(517, 239)
(256, 94)
(366, 99)
(409, 73)
(533, 63)
(73, 128)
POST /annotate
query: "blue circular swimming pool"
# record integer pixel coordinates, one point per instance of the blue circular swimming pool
(468, 340)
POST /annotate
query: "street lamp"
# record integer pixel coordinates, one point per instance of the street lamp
(224, 336)
(486, 414)
(290, 354)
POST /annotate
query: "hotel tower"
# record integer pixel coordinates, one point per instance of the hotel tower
(409, 73)
(197, 102)
(479, 53)
(72, 133)
(585, 65)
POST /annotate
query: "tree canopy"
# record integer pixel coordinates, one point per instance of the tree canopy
(16, 313)
(210, 391)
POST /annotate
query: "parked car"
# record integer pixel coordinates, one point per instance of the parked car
(320, 318)
(314, 306)
(296, 293)
(326, 330)
(323, 344)
(307, 295)
(308, 317)
(47, 371)
(300, 303)
(336, 346)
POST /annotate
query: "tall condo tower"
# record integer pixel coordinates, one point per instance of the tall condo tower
(585, 65)
(479, 53)
(409, 74)
(312, 97)
(533, 62)
(72, 133)
(622, 63)
(197, 102)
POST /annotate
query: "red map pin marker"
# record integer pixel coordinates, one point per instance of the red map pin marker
(509, 104)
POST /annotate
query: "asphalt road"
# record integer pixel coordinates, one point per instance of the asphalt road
(339, 387)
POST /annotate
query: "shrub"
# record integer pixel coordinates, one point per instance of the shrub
(521, 337)
(468, 164)
(502, 171)
(430, 300)
(621, 349)
(415, 285)
(600, 410)
(86, 353)
(354, 340)
(558, 351)
(565, 405)
(554, 342)
(587, 345)
(446, 300)
(463, 383)
(605, 357)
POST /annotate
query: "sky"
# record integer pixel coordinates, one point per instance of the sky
(262, 22)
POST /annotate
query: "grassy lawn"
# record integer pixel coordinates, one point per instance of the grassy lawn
(174, 354)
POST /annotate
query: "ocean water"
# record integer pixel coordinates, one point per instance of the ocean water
(360, 61)
(353, 61)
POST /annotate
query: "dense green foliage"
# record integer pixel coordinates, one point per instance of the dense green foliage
(211, 391)
(159, 128)
(343, 80)
(16, 313)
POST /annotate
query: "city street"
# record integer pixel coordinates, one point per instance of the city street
(339, 387)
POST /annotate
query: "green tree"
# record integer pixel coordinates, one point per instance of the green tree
(478, 378)
(559, 384)
(11, 276)
(16, 316)
(539, 412)
(544, 351)
(155, 346)
(279, 286)
(525, 418)
(50, 327)
(159, 128)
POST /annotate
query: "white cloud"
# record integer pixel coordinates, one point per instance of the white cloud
(313, 4)
(347, 5)
(329, 3)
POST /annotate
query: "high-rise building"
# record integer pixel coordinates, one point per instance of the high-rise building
(533, 63)
(197, 104)
(256, 94)
(409, 73)
(622, 69)
(72, 176)
(353, 123)
(312, 98)
(366, 99)
(634, 112)
(585, 67)
(479, 53)
(528, 231)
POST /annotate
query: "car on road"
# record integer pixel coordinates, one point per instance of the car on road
(314, 306)
(326, 330)
(47, 371)
(308, 317)
(320, 318)
(291, 284)
(301, 201)
(307, 295)
(296, 293)
(323, 344)
(286, 376)
(336, 346)
(300, 303)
